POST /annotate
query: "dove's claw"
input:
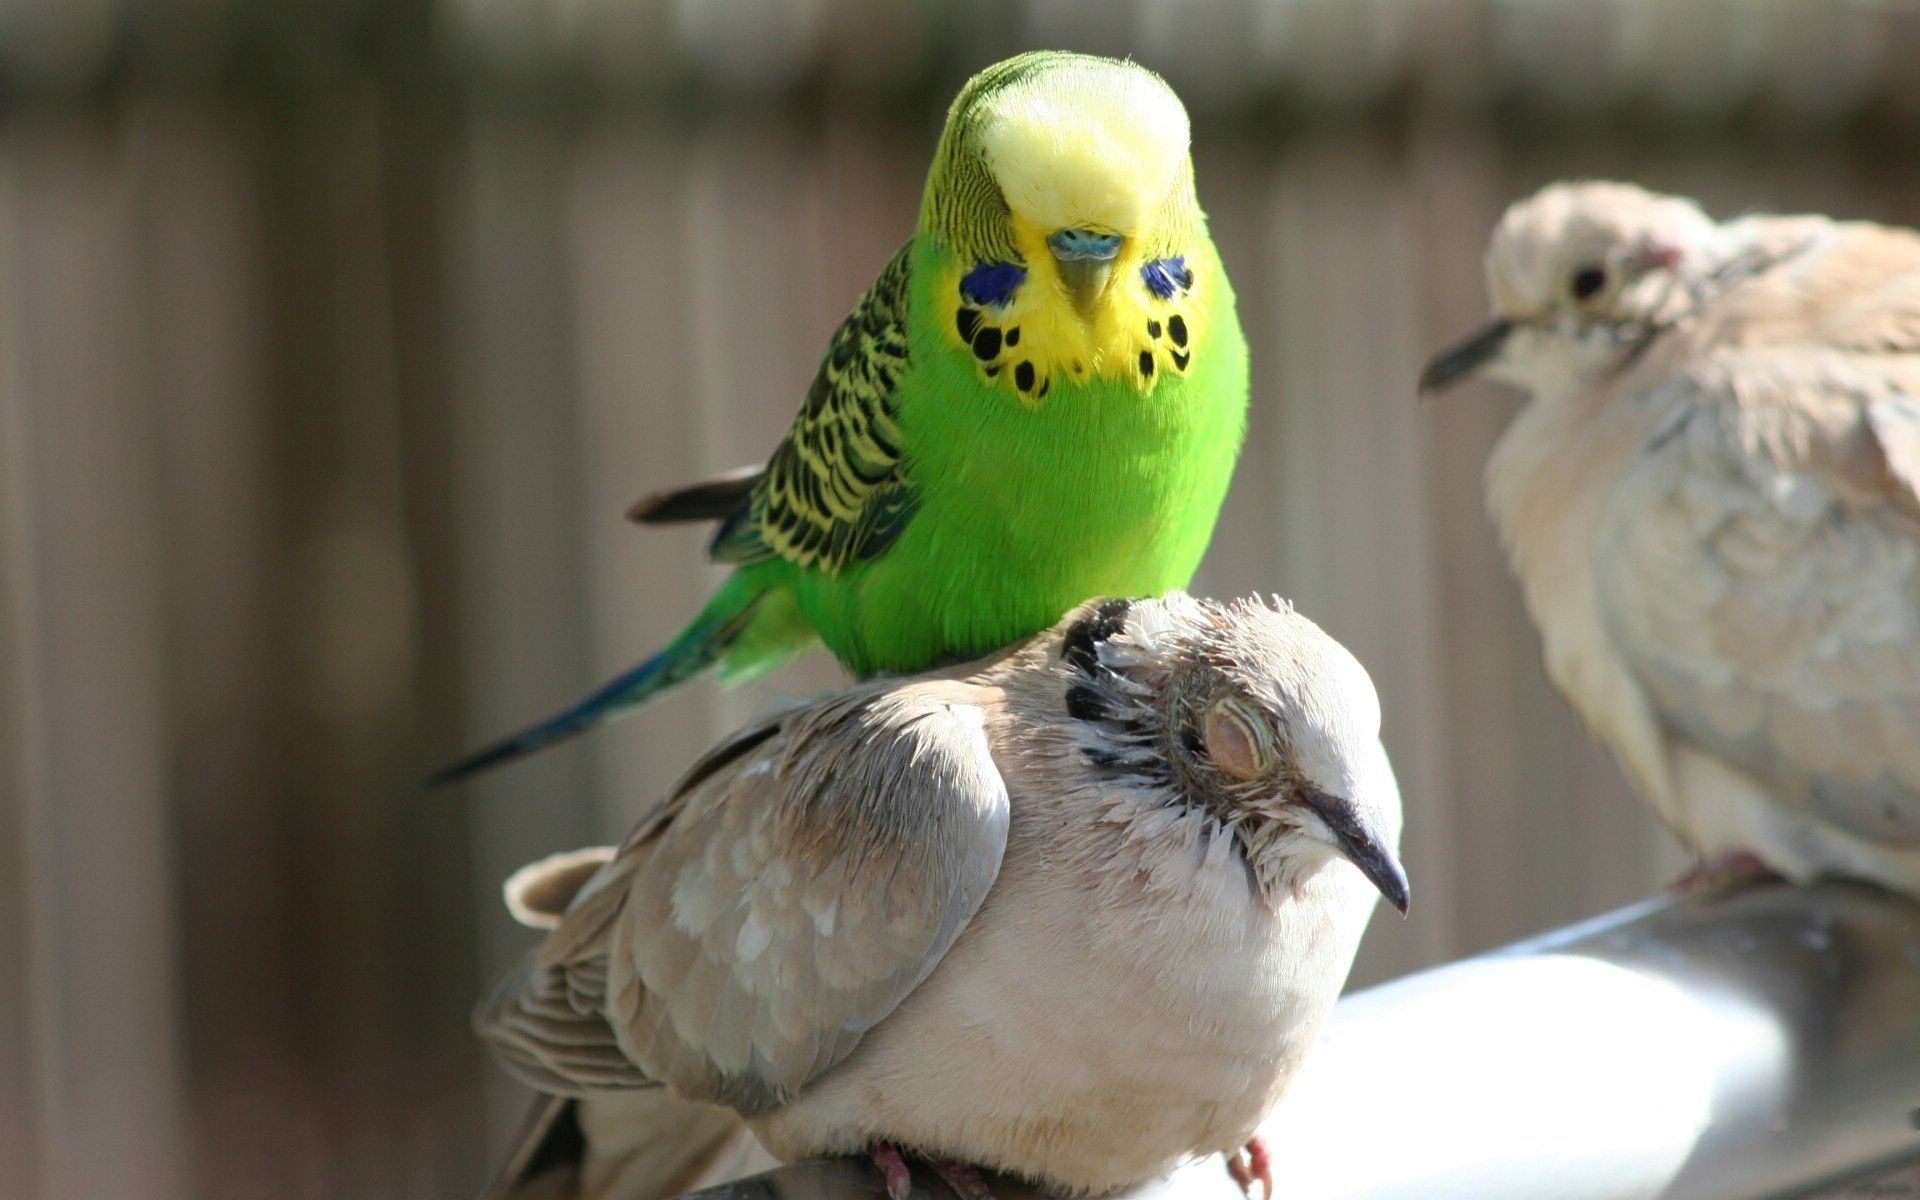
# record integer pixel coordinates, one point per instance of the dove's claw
(965, 1180)
(1250, 1164)
(1724, 867)
(892, 1166)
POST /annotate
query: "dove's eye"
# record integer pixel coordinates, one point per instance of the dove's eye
(1588, 281)
(1234, 744)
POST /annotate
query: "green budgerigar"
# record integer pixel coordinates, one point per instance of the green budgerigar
(1039, 400)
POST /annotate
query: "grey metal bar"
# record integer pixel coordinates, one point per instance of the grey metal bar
(1749, 1044)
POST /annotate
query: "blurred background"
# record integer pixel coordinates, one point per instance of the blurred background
(334, 338)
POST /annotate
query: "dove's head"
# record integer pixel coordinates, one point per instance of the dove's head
(1583, 276)
(1249, 713)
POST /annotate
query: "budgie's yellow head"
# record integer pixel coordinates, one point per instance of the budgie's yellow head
(1063, 195)
(1084, 144)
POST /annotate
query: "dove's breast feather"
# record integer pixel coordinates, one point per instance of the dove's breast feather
(1117, 1019)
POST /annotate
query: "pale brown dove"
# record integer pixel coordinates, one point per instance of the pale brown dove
(1074, 912)
(1710, 503)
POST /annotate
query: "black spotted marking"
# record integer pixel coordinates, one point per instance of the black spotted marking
(1153, 328)
(1180, 360)
(1042, 393)
(1177, 329)
(986, 343)
(1085, 704)
(967, 320)
(1023, 376)
(1080, 648)
(993, 370)
(1146, 363)
(1013, 335)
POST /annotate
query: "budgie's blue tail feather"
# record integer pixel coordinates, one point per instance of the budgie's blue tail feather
(698, 647)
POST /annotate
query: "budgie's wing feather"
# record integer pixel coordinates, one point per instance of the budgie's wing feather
(746, 937)
(713, 499)
(834, 492)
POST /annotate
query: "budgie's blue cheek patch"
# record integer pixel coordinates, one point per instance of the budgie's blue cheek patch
(986, 325)
(1166, 276)
(992, 283)
(1170, 282)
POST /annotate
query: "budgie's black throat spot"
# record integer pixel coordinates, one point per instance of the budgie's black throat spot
(967, 320)
(986, 343)
(1177, 329)
(1023, 376)
(1146, 363)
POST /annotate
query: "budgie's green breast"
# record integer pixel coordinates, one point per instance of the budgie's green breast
(1052, 457)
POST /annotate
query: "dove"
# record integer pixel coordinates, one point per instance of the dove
(1709, 501)
(1074, 912)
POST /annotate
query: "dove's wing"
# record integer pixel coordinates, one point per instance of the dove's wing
(787, 900)
(1762, 572)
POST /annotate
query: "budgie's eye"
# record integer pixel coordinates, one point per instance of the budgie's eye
(1588, 281)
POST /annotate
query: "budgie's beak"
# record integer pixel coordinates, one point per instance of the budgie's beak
(1085, 258)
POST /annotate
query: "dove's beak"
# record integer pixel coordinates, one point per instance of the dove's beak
(1452, 365)
(1361, 844)
(1085, 258)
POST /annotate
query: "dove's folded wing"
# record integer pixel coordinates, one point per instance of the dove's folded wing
(775, 910)
(1768, 592)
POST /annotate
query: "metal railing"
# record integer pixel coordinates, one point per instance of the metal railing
(1755, 1043)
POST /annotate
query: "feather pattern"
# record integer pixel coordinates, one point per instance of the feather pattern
(834, 491)
(1760, 570)
(747, 936)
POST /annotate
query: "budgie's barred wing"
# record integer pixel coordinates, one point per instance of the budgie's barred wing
(833, 493)
(1762, 574)
(745, 939)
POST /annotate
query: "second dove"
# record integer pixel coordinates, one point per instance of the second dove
(1710, 501)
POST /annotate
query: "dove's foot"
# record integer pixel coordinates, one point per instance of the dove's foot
(892, 1166)
(1728, 866)
(1250, 1164)
(965, 1180)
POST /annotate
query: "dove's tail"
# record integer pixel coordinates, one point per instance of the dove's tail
(744, 629)
(638, 1144)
